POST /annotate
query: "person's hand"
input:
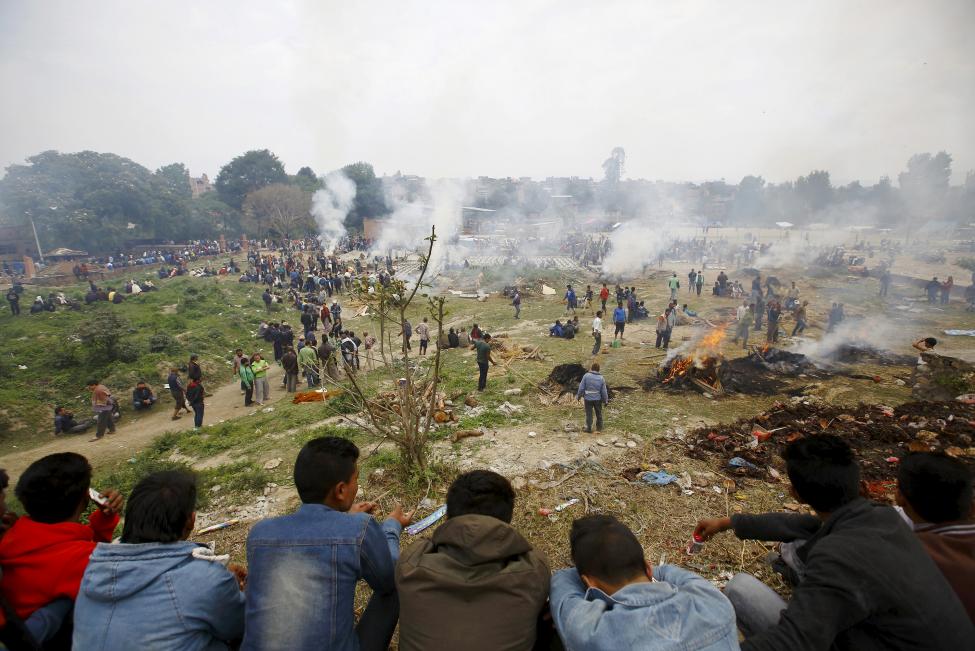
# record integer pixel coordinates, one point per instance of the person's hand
(707, 529)
(114, 502)
(363, 507)
(240, 573)
(401, 517)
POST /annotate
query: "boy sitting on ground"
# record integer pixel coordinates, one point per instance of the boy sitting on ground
(44, 554)
(935, 491)
(613, 599)
(142, 397)
(65, 423)
(304, 567)
(864, 580)
(477, 583)
(157, 590)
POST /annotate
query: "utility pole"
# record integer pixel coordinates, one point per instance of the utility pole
(37, 241)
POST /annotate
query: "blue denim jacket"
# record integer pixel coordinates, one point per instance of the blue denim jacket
(156, 596)
(680, 611)
(302, 573)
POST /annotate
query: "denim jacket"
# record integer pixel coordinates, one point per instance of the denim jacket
(680, 611)
(302, 573)
(157, 596)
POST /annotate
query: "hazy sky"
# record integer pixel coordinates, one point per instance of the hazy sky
(691, 90)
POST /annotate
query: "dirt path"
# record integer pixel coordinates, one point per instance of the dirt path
(135, 433)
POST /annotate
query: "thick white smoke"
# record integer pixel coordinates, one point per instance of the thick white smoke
(330, 206)
(413, 216)
(635, 244)
(872, 332)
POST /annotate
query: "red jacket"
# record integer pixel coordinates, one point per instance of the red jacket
(42, 562)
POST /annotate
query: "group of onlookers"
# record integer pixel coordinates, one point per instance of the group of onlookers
(862, 575)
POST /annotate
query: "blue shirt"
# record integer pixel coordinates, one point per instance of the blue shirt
(679, 611)
(593, 387)
(302, 573)
(619, 315)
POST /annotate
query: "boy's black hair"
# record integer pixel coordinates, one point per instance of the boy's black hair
(481, 492)
(938, 487)
(321, 465)
(53, 486)
(4, 480)
(91, 382)
(159, 507)
(823, 471)
(605, 549)
(931, 341)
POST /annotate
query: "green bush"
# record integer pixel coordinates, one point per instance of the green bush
(127, 351)
(163, 343)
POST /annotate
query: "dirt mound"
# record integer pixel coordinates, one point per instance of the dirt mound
(850, 353)
(880, 435)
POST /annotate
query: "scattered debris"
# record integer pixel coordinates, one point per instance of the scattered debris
(426, 522)
(509, 409)
(465, 433)
(658, 478)
(317, 395)
(271, 464)
(217, 527)
(561, 507)
(876, 432)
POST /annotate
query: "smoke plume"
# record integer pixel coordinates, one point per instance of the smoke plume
(330, 206)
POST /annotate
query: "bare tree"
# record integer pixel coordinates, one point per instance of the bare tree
(284, 209)
(407, 415)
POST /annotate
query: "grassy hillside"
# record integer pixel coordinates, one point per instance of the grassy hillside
(118, 345)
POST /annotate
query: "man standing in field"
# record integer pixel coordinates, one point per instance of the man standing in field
(597, 332)
(674, 284)
(102, 404)
(423, 331)
(483, 348)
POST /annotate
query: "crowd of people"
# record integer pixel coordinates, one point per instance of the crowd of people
(863, 575)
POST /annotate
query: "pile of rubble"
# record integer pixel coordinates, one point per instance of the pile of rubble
(763, 370)
(715, 376)
(880, 435)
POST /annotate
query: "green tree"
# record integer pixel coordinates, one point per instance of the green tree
(749, 202)
(924, 185)
(248, 172)
(208, 216)
(369, 197)
(175, 179)
(615, 165)
(83, 200)
(307, 180)
(815, 190)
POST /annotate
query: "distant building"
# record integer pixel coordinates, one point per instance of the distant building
(200, 185)
(18, 248)
(17, 241)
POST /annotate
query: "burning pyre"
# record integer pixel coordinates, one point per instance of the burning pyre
(700, 367)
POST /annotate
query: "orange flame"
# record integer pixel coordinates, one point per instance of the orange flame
(706, 351)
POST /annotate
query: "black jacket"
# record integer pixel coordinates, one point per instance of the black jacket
(194, 372)
(289, 362)
(868, 585)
